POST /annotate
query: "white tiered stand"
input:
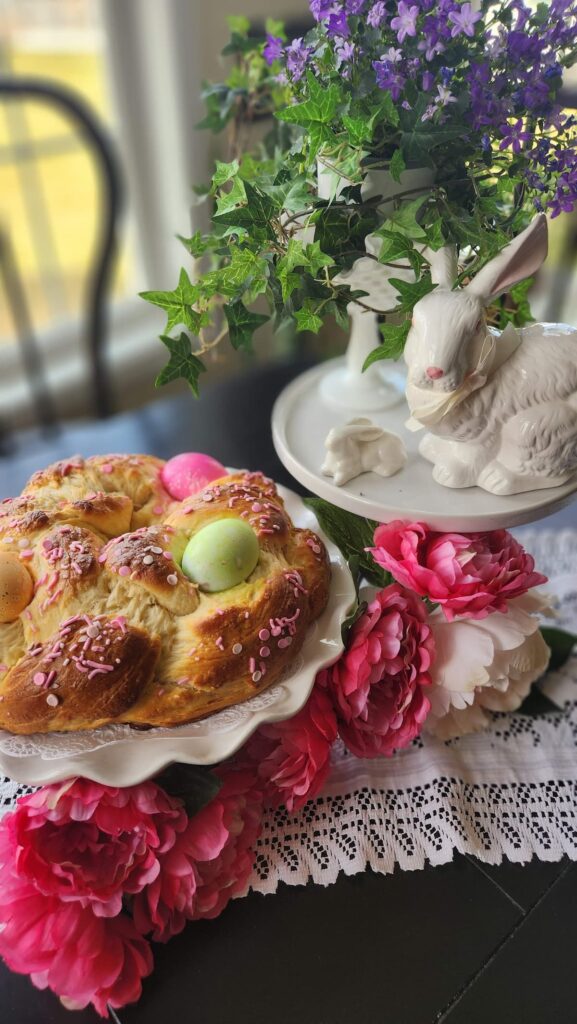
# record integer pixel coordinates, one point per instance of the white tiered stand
(304, 414)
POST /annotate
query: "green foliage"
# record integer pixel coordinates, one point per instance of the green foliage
(242, 323)
(561, 644)
(352, 535)
(394, 337)
(182, 363)
(194, 785)
(178, 304)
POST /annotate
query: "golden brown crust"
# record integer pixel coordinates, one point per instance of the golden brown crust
(183, 654)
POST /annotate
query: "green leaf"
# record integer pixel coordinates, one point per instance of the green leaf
(178, 303)
(435, 237)
(406, 217)
(255, 215)
(397, 165)
(230, 200)
(224, 172)
(307, 320)
(194, 785)
(238, 23)
(352, 534)
(350, 620)
(359, 129)
(561, 644)
(317, 258)
(387, 110)
(245, 270)
(394, 338)
(394, 245)
(182, 363)
(242, 323)
(409, 292)
(196, 244)
(273, 27)
(316, 114)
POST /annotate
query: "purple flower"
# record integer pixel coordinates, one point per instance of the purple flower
(428, 81)
(321, 8)
(338, 25)
(485, 143)
(345, 52)
(354, 6)
(444, 96)
(431, 44)
(513, 135)
(297, 55)
(447, 75)
(273, 49)
(388, 77)
(377, 14)
(464, 20)
(405, 23)
(392, 55)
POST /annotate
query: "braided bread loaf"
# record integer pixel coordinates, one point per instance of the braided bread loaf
(113, 630)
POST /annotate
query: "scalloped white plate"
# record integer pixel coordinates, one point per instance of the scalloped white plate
(118, 755)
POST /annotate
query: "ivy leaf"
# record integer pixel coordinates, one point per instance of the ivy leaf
(393, 345)
(194, 785)
(317, 258)
(224, 172)
(178, 304)
(561, 644)
(245, 270)
(316, 114)
(359, 129)
(387, 110)
(394, 245)
(254, 215)
(232, 199)
(182, 363)
(397, 165)
(409, 292)
(434, 233)
(242, 323)
(308, 320)
(351, 534)
(405, 217)
(196, 244)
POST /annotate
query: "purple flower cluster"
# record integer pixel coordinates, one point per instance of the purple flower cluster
(494, 74)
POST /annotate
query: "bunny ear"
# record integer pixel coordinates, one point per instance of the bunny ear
(443, 265)
(519, 259)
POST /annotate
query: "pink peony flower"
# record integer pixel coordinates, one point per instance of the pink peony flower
(65, 946)
(471, 575)
(233, 819)
(378, 684)
(292, 757)
(91, 844)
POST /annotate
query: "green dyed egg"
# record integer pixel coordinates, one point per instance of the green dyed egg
(221, 555)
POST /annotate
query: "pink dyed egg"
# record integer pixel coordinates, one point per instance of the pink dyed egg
(188, 473)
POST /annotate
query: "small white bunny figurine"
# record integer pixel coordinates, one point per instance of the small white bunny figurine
(360, 446)
(501, 410)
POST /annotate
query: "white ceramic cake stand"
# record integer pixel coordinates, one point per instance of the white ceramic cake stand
(301, 420)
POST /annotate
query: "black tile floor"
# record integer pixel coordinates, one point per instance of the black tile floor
(465, 944)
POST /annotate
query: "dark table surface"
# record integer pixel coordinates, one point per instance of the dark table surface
(465, 944)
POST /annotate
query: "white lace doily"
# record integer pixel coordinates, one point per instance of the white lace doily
(509, 792)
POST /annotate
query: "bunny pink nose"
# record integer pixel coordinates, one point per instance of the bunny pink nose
(434, 372)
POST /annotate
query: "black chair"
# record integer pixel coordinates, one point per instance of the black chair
(93, 134)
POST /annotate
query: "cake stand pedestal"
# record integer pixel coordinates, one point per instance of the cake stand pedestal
(301, 419)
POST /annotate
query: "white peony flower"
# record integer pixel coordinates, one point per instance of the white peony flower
(484, 665)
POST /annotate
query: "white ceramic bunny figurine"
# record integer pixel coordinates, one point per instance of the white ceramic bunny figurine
(359, 447)
(501, 409)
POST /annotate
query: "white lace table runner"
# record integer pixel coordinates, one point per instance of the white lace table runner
(509, 792)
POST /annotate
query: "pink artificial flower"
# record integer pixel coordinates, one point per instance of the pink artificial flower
(467, 574)
(378, 684)
(292, 757)
(64, 946)
(230, 823)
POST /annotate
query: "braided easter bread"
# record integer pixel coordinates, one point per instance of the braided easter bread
(98, 621)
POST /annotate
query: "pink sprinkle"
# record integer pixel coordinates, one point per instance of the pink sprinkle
(264, 634)
(124, 570)
(167, 554)
(102, 557)
(157, 510)
(285, 641)
(3, 668)
(120, 623)
(257, 507)
(91, 496)
(264, 652)
(50, 678)
(251, 665)
(47, 544)
(39, 679)
(106, 468)
(220, 643)
(27, 553)
(181, 682)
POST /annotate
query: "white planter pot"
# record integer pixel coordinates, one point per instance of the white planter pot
(349, 387)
